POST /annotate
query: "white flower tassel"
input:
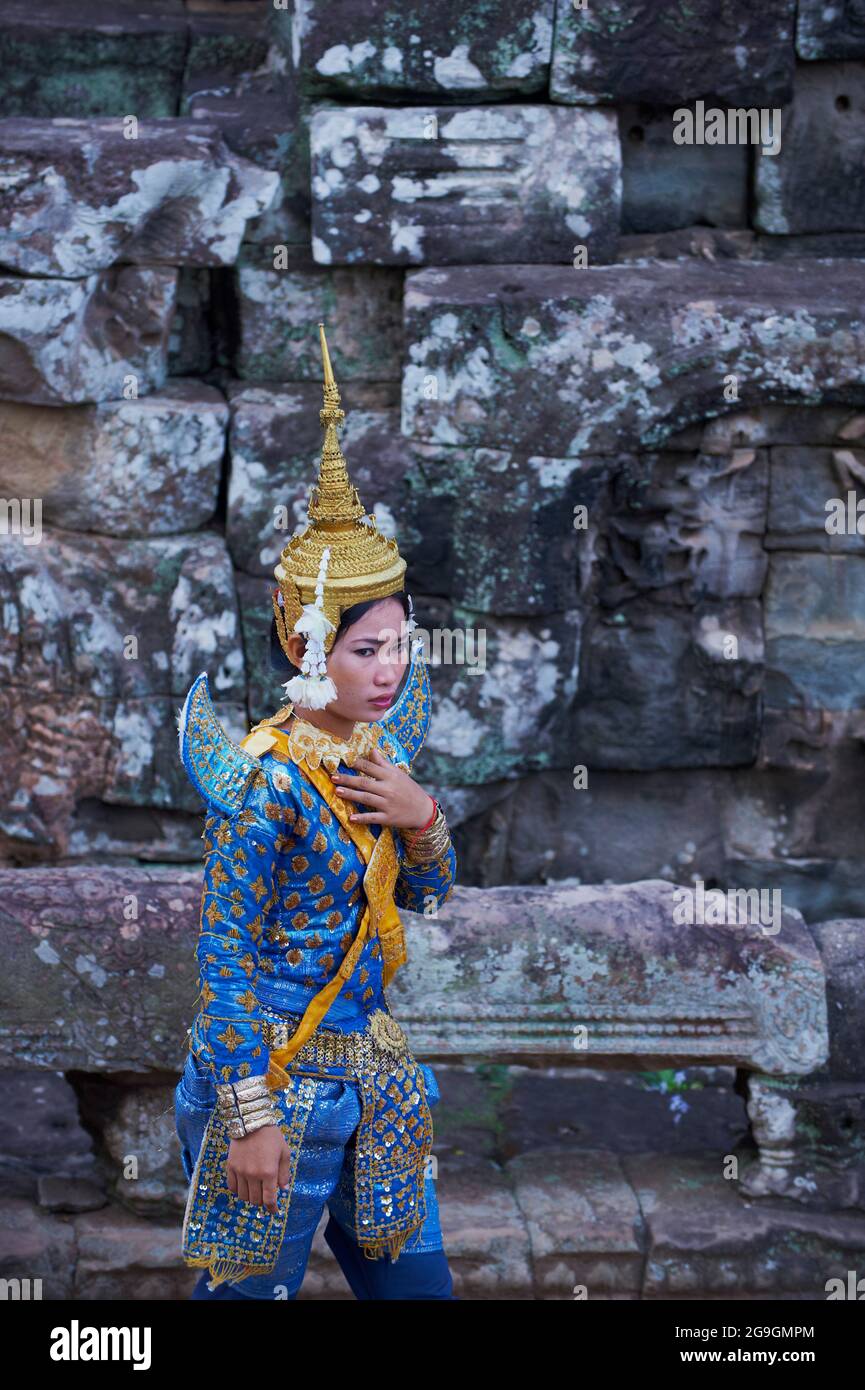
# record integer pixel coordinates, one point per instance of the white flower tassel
(313, 689)
(415, 643)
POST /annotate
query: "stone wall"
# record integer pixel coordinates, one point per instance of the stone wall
(600, 384)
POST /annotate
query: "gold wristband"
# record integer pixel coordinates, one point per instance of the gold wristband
(433, 844)
(246, 1106)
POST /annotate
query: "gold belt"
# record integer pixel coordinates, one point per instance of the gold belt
(372, 1048)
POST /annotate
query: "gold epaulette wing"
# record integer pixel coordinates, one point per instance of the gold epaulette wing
(257, 742)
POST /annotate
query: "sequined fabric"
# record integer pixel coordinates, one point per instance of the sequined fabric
(342, 1130)
(281, 906)
(282, 902)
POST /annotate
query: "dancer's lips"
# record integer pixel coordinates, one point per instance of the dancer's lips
(382, 702)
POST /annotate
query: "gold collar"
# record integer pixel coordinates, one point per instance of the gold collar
(305, 742)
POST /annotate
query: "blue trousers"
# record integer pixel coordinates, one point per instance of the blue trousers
(324, 1177)
(411, 1277)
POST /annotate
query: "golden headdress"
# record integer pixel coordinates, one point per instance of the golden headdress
(339, 559)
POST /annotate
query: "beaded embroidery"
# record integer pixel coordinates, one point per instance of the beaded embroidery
(234, 1238)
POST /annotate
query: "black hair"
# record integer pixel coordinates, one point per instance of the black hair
(280, 663)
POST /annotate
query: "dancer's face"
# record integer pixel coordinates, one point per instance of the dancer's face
(366, 664)
(368, 661)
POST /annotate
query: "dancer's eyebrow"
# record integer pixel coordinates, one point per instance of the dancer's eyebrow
(380, 641)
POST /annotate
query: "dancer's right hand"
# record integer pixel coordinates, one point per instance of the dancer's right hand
(257, 1165)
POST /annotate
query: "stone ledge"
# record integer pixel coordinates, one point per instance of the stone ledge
(598, 975)
(551, 1224)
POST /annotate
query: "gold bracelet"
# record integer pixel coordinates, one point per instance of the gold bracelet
(434, 843)
(246, 1106)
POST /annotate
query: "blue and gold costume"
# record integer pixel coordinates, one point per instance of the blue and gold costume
(283, 903)
(299, 937)
(283, 893)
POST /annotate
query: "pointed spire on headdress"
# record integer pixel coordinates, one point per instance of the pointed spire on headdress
(334, 499)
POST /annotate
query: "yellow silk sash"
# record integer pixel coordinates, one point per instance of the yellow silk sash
(380, 917)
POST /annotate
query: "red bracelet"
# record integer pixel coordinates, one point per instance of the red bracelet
(414, 833)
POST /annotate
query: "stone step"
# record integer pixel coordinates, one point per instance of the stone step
(550, 1224)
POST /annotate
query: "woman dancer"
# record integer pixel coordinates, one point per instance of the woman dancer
(300, 1090)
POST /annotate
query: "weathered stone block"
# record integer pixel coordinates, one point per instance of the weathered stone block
(111, 950)
(610, 357)
(224, 48)
(424, 185)
(619, 1112)
(483, 1229)
(492, 526)
(119, 700)
(149, 466)
(38, 1252)
(190, 351)
(842, 949)
(41, 1134)
(822, 245)
(794, 815)
(704, 242)
(279, 311)
(809, 490)
(265, 693)
(704, 1241)
(817, 888)
(88, 776)
(607, 975)
(503, 692)
(141, 619)
(122, 1258)
(468, 1118)
(823, 128)
(552, 830)
(70, 1194)
(645, 50)
(670, 687)
(584, 1223)
(142, 767)
(143, 1151)
(263, 119)
(809, 740)
(86, 195)
(815, 628)
(89, 59)
(613, 959)
(108, 833)
(85, 340)
(380, 50)
(45, 776)
(685, 527)
(830, 31)
(780, 425)
(667, 186)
